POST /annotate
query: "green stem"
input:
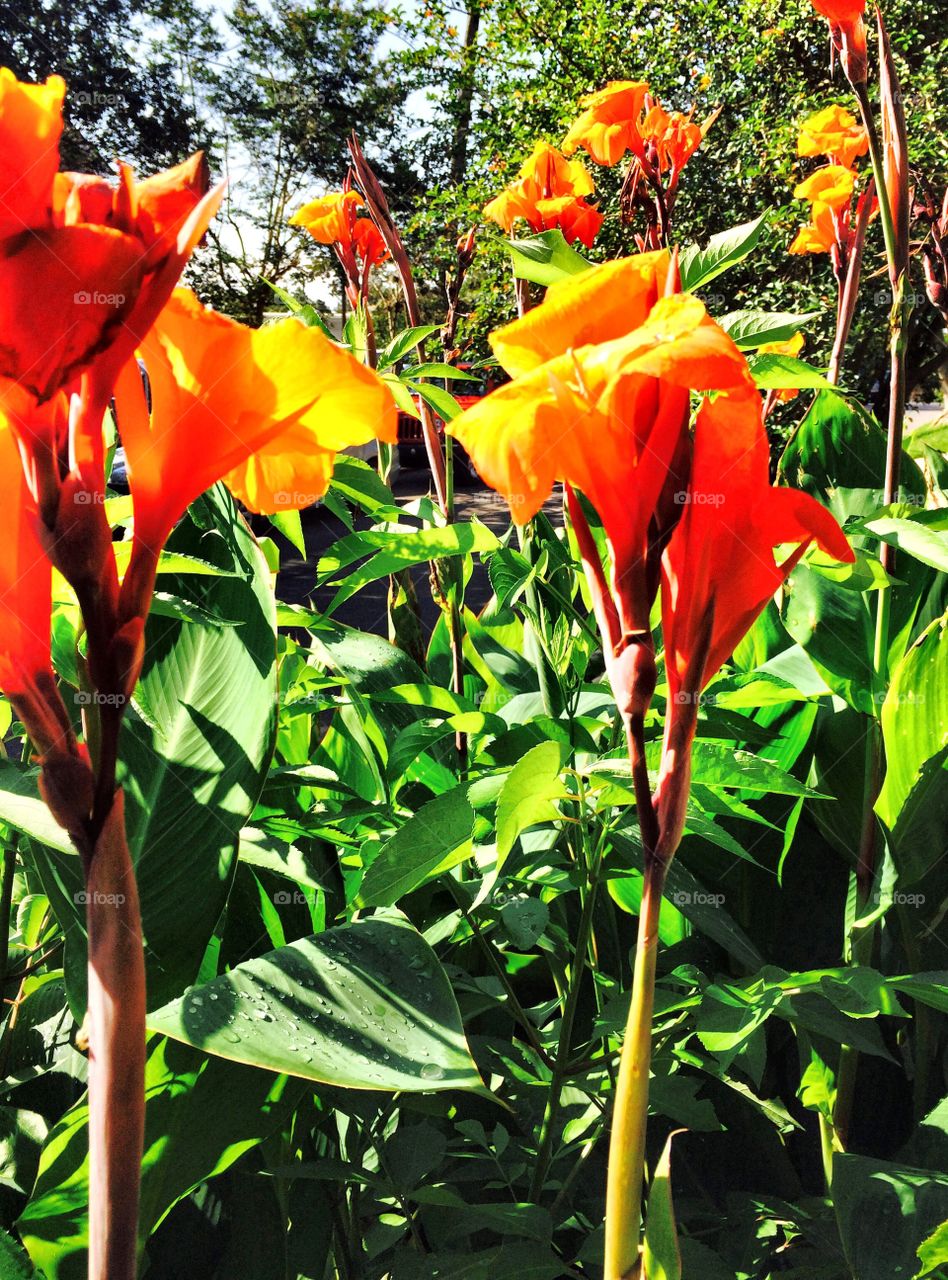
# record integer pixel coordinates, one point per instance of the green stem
(630, 1115)
(878, 170)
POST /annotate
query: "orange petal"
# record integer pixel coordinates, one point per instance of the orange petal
(30, 127)
(600, 304)
(222, 392)
(25, 577)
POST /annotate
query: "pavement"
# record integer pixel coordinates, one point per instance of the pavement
(296, 583)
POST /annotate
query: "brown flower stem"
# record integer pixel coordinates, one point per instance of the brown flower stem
(116, 978)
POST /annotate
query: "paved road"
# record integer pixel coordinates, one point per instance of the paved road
(367, 609)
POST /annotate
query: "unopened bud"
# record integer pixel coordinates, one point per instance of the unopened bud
(632, 675)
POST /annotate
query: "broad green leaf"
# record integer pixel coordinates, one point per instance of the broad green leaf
(923, 536)
(430, 842)
(545, 258)
(443, 402)
(661, 1257)
(835, 628)
(724, 250)
(201, 1114)
(22, 808)
(910, 1203)
(440, 370)
(529, 794)
(913, 802)
(290, 525)
(404, 342)
(718, 765)
(361, 484)
(786, 373)
(751, 329)
(364, 1006)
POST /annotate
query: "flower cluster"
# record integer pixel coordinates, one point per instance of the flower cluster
(835, 134)
(549, 192)
(335, 220)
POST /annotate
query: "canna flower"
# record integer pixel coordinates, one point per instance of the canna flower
(549, 192)
(848, 34)
(832, 186)
(819, 236)
(719, 571)
(334, 220)
(101, 259)
(673, 137)
(834, 133)
(603, 373)
(265, 409)
(610, 124)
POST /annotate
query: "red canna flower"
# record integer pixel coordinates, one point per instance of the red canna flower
(99, 261)
(25, 578)
(549, 192)
(848, 34)
(719, 570)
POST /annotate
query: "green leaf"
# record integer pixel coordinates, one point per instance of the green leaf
(724, 250)
(443, 402)
(201, 1114)
(545, 258)
(291, 526)
(14, 1262)
(22, 808)
(720, 766)
(786, 373)
(933, 1253)
(404, 342)
(432, 841)
(364, 1006)
(661, 1257)
(924, 536)
(438, 370)
(528, 796)
(909, 1203)
(751, 329)
(913, 802)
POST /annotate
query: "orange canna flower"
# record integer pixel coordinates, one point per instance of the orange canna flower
(334, 219)
(549, 192)
(820, 236)
(221, 393)
(835, 133)
(674, 136)
(848, 34)
(101, 259)
(610, 124)
(719, 570)
(603, 372)
(832, 186)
